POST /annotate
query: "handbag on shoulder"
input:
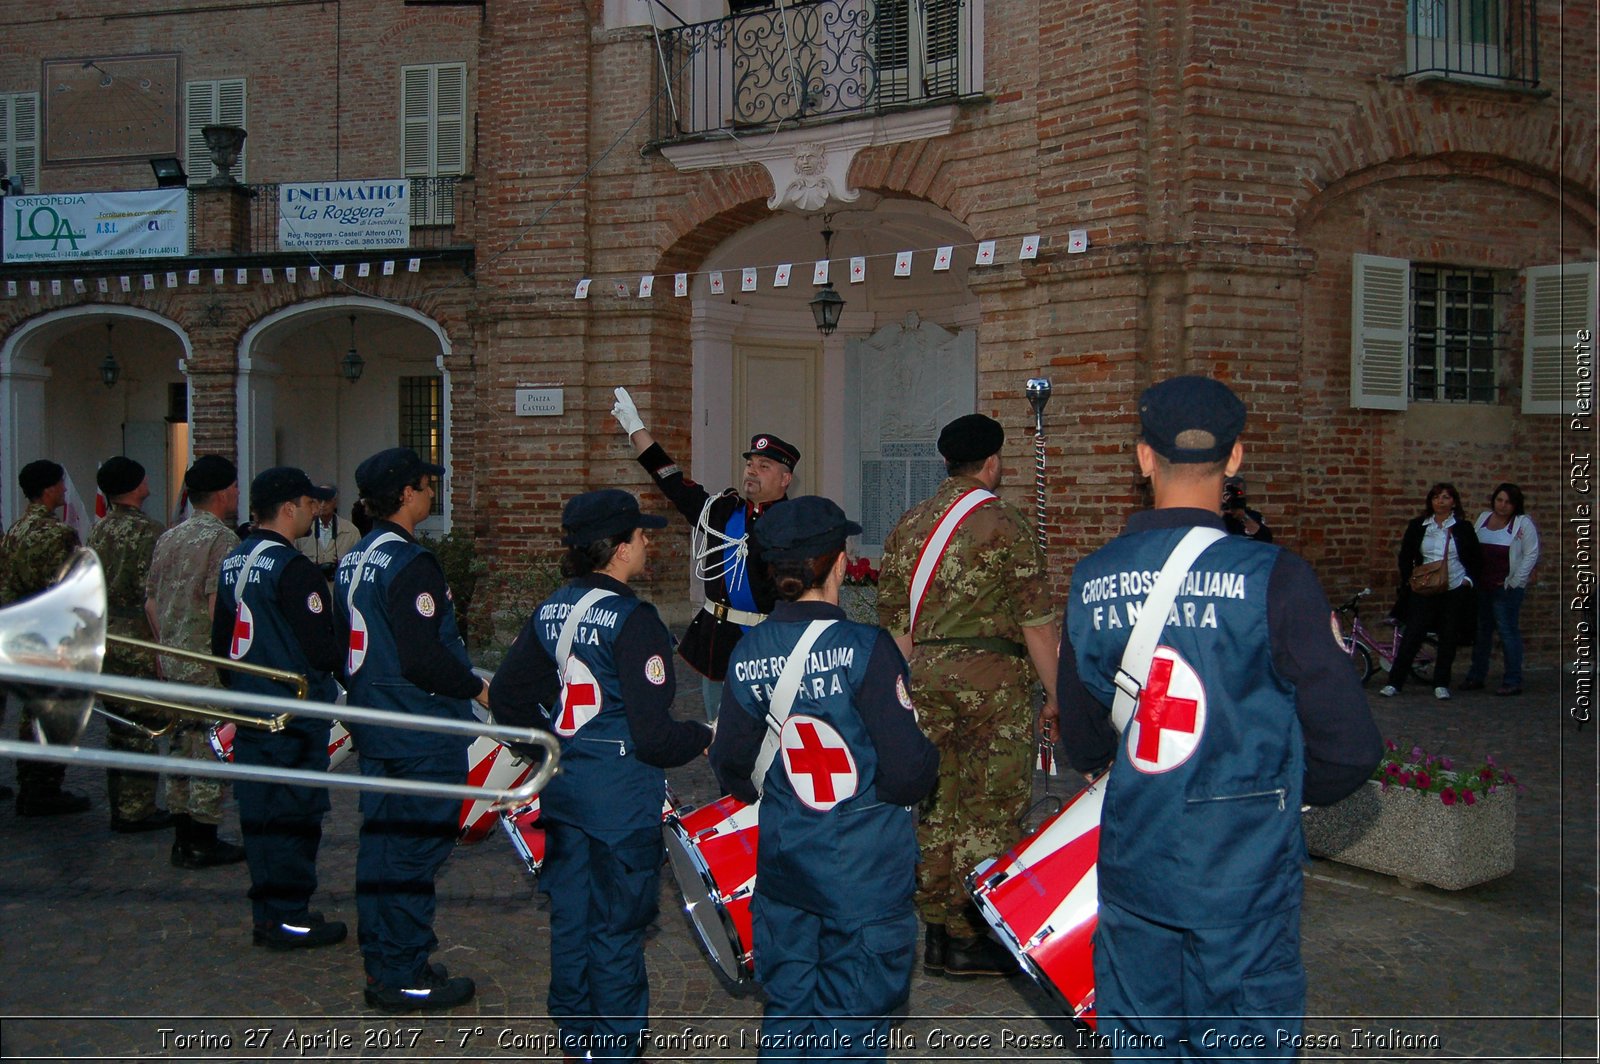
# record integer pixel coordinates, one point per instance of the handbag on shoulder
(1432, 578)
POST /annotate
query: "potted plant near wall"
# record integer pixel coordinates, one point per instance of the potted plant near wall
(1424, 818)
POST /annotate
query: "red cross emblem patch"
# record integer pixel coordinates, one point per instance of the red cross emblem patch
(818, 762)
(244, 628)
(1171, 718)
(358, 642)
(580, 698)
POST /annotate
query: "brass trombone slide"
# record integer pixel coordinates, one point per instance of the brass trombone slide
(273, 723)
(51, 649)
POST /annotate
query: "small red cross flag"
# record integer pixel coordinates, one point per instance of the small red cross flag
(358, 642)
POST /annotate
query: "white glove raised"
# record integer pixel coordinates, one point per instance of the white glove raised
(625, 412)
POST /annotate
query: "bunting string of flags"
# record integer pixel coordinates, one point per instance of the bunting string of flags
(219, 277)
(749, 277)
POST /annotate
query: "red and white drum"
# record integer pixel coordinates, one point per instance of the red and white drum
(489, 764)
(1042, 899)
(713, 855)
(527, 836)
(220, 736)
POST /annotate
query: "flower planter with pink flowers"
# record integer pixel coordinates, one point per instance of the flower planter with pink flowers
(1424, 821)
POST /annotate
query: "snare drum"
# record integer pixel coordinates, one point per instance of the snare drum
(340, 745)
(490, 764)
(1042, 899)
(527, 836)
(713, 854)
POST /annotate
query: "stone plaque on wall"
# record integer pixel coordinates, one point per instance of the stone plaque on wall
(104, 109)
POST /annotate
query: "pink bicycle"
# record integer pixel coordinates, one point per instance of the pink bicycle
(1369, 654)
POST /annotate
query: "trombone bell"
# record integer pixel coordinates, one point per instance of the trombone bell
(62, 627)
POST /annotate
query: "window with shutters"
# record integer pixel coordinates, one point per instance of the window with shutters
(212, 103)
(433, 138)
(19, 139)
(917, 49)
(1425, 332)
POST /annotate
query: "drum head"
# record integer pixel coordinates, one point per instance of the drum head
(703, 902)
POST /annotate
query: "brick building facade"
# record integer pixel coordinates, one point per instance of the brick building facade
(1227, 164)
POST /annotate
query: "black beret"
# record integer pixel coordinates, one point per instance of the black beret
(39, 476)
(596, 515)
(807, 527)
(210, 472)
(767, 445)
(1190, 419)
(392, 471)
(118, 476)
(971, 438)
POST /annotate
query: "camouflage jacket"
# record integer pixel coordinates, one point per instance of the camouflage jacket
(125, 540)
(33, 552)
(990, 585)
(183, 577)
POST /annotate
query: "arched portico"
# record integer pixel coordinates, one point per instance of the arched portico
(55, 404)
(295, 406)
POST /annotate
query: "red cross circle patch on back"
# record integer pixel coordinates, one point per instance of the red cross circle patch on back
(244, 628)
(358, 642)
(1171, 718)
(580, 698)
(818, 762)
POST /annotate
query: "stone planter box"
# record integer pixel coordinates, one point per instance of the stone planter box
(1416, 837)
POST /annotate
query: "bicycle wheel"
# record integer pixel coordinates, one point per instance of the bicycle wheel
(1360, 657)
(1422, 664)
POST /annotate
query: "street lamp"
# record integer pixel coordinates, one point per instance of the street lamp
(110, 371)
(352, 364)
(827, 304)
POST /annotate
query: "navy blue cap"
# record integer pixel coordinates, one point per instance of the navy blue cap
(392, 471)
(597, 515)
(971, 438)
(211, 472)
(1190, 419)
(807, 527)
(767, 445)
(273, 487)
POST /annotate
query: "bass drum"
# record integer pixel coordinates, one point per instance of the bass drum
(340, 745)
(1042, 900)
(713, 855)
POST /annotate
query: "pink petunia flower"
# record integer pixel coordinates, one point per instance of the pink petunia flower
(1468, 797)
(1423, 780)
(1447, 796)
(1447, 764)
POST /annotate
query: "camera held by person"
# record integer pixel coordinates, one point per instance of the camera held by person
(1240, 519)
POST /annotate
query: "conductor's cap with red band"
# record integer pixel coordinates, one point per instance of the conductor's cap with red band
(766, 445)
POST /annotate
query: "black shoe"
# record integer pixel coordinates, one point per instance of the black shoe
(978, 956)
(159, 820)
(933, 953)
(306, 932)
(56, 803)
(435, 990)
(1470, 684)
(205, 854)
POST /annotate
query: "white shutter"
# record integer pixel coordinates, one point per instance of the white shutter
(1380, 332)
(199, 110)
(450, 123)
(19, 138)
(1561, 301)
(230, 112)
(416, 121)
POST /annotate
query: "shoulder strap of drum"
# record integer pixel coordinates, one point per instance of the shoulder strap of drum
(783, 695)
(569, 630)
(361, 566)
(933, 550)
(1141, 648)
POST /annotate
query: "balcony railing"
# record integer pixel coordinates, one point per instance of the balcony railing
(441, 212)
(811, 59)
(1493, 41)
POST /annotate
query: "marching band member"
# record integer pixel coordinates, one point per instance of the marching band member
(406, 655)
(738, 593)
(1248, 707)
(602, 660)
(273, 610)
(834, 929)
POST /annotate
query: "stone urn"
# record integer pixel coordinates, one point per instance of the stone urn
(1414, 836)
(224, 143)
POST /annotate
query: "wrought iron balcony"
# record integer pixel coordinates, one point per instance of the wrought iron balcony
(1492, 41)
(814, 59)
(441, 214)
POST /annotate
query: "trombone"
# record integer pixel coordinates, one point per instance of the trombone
(53, 644)
(275, 723)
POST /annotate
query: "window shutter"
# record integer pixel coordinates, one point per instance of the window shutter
(450, 128)
(19, 138)
(230, 112)
(416, 121)
(1561, 300)
(199, 111)
(1380, 332)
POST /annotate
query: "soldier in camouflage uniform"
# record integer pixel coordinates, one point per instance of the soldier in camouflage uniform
(181, 593)
(125, 540)
(31, 556)
(985, 613)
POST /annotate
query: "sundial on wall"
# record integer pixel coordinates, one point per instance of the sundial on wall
(99, 109)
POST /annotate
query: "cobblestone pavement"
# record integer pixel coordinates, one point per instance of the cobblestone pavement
(110, 953)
